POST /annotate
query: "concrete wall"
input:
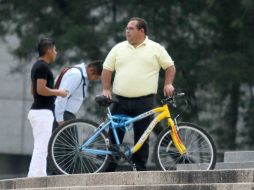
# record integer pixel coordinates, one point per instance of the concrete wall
(15, 100)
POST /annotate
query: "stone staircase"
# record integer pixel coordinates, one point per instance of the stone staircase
(235, 173)
(157, 180)
(237, 160)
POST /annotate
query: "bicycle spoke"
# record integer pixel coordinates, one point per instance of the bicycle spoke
(67, 154)
(199, 154)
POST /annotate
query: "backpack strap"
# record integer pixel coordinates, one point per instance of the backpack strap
(59, 78)
(64, 70)
(83, 79)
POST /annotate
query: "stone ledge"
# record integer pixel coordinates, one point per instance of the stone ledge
(133, 178)
(239, 156)
(216, 186)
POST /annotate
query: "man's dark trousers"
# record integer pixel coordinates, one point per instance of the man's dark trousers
(133, 107)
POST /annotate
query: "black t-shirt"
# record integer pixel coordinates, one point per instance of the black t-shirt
(40, 70)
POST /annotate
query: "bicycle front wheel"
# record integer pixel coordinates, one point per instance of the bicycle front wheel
(65, 148)
(201, 151)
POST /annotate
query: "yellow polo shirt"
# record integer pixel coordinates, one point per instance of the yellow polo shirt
(137, 69)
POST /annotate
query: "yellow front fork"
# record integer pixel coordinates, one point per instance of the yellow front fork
(175, 137)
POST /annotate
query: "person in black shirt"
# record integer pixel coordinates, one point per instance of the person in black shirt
(41, 112)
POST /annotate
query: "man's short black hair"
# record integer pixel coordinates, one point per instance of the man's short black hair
(97, 65)
(141, 24)
(45, 44)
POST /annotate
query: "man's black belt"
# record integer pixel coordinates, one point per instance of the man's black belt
(135, 98)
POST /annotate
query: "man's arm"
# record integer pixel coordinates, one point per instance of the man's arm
(70, 82)
(106, 78)
(169, 78)
(60, 105)
(43, 90)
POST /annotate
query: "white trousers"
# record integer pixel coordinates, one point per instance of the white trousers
(41, 122)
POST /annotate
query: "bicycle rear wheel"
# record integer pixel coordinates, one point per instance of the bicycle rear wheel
(201, 151)
(65, 148)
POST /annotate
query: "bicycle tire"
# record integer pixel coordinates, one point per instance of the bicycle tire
(201, 151)
(65, 148)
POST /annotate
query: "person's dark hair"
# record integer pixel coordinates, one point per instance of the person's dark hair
(97, 65)
(141, 24)
(45, 44)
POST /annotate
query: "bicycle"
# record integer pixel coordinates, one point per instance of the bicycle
(82, 146)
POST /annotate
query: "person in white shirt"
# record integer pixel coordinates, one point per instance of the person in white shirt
(75, 82)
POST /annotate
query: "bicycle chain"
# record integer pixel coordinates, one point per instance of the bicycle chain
(118, 154)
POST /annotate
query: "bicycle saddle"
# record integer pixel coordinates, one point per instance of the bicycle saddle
(103, 101)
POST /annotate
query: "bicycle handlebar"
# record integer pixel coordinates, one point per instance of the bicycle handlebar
(172, 100)
(104, 101)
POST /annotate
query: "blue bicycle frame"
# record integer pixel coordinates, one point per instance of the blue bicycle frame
(114, 122)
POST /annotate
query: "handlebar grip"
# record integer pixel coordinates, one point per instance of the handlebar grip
(180, 94)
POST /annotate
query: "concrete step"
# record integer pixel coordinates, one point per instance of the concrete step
(234, 165)
(239, 156)
(219, 166)
(218, 186)
(133, 178)
(190, 166)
